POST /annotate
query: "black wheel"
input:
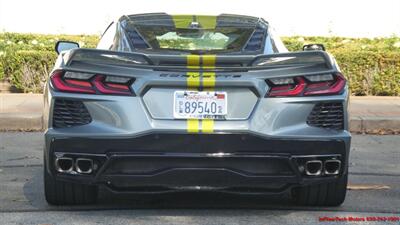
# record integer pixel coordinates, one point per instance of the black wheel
(65, 193)
(326, 194)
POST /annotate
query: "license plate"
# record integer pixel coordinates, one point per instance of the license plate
(200, 104)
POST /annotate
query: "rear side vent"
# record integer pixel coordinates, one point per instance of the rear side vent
(255, 43)
(137, 40)
(327, 115)
(69, 113)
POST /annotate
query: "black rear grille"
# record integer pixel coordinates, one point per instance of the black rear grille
(69, 113)
(150, 165)
(327, 115)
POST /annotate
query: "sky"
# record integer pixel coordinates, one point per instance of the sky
(349, 18)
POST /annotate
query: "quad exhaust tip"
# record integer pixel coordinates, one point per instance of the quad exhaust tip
(64, 164)
(313, 167)
(84, 166)
(332, 166)
(67, 165)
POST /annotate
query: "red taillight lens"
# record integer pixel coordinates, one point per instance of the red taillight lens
(326, 87)
(307, 86)
(110, 88)
(90, 84)
(289, 89)
(70, 85)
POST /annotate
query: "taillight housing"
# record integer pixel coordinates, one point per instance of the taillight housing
(311, 85)
(87, 83)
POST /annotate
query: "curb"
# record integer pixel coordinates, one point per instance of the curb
(21, 121)
(365, 124)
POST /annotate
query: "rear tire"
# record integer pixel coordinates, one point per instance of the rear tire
(326, 194)
(65, 193)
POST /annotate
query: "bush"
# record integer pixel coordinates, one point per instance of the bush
(1, 69)
(371, 73)
(27, 59)
(39, 42)
(28, 70)
(372, 66)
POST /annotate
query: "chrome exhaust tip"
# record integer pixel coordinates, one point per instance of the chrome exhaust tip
(332, 166)
(313, 167)
(64, 165)
(84, 166)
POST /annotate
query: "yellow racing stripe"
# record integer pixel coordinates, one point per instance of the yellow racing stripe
(193, 79)
(193, 82)
(207, 22)
(182, 21)
(207, 125)
(209, 77)
(193, 125)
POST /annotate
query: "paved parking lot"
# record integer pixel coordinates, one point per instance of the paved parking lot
(374, 183)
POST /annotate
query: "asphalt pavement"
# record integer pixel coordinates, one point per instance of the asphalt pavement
(374, 194)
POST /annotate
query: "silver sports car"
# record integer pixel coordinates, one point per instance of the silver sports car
(174, 103)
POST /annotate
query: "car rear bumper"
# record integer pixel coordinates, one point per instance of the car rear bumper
(241, 163)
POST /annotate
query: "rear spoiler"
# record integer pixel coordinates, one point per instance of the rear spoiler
(319, 59)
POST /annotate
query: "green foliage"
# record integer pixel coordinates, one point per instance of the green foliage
(342, 43)
(27, 59)
(40, 42)
(1, 68)
(28, 70)
(372, 66)
(371, 73)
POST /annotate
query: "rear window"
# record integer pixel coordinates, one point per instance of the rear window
(217, 39)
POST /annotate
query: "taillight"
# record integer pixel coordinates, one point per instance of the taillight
(110, 88)
(326, 87)
(69, 85)
(324, 84)
(288, 89)
(87, 83)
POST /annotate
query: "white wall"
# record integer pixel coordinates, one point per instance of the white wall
(353, 18)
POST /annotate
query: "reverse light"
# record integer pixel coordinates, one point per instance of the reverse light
(78, 75)
(320, 77)
(86, 83)
(322, 84)
(282, 81)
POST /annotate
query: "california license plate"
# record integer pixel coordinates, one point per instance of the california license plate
(200, 104)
